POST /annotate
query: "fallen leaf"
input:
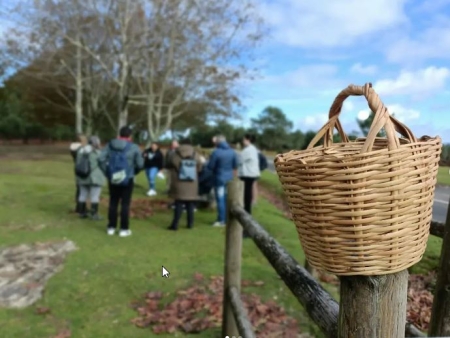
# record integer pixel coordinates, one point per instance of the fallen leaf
(199, 308)
(63, 334)
(198, 276)
(41, 310)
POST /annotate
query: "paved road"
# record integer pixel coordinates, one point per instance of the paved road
(441, 198)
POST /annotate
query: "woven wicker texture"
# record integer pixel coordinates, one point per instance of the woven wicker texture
(362, 207)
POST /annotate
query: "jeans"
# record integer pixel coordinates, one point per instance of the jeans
(91, 192)
(123, 195)
(221, 200)
(151, 176)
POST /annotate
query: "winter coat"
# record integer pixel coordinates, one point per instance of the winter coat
(222, 163)
(153, 159)
(249, 162)
(134, 156)
(182, 190)
(206, 181)
(168, 158)
(96, 176)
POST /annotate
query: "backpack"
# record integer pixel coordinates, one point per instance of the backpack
(83, 166)
(262, 162)
(119, 171)
(187, 172)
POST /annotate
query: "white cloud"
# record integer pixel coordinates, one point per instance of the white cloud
(317, 77)
(348, 106)
(363, 114)
(323, 23)
(433, 42)
(313, 122)
(312, 75)
(416, 84)
(365, 70)
(401, 113)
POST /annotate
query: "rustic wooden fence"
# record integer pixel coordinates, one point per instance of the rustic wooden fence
(370, 306)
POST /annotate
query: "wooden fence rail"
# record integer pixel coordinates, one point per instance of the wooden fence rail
(319, 304)
(243, 324)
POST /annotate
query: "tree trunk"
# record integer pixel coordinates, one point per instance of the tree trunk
(373, 306)
(123, 118)
(89, 121)
(440, 313)
(123, 98)
(79, 92)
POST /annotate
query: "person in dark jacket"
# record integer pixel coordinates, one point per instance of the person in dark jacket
(184, 192)
(205, 180)
(153, 164)
(223, 164)
(74, 147)
(119, 193)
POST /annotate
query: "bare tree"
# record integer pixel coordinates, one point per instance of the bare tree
(120, 22)
(65, 38)
(166, 56)
(41, 49)
(194, 52)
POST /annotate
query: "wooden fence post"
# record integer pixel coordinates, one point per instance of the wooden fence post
(440, 312)
(373, 306)
(233, 255)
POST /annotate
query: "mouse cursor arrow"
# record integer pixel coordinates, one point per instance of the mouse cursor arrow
(165, 272)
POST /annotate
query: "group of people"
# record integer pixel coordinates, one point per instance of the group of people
(116, 164)
(188, 175)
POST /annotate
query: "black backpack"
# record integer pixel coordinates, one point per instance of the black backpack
(262, 162)
(83, 166)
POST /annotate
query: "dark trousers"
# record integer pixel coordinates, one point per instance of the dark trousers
(248, 193)
(120, 194)
(77, 195)
(178, 211)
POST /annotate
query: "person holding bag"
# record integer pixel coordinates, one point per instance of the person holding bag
(90, 178)
(185, 165)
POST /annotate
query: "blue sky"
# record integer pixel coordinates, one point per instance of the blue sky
(317, 48)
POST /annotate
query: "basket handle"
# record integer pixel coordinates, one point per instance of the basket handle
(382, 119)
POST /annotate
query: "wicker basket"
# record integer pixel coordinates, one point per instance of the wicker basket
(362, 207)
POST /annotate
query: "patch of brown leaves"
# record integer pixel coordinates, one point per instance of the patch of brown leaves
(199, 308)
(420, 299)
(143, 208)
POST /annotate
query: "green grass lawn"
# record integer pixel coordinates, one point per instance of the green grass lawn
(430, 261)
(91, 295)
(443, 176)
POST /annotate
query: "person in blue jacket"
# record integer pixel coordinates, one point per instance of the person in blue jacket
(223, 165)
